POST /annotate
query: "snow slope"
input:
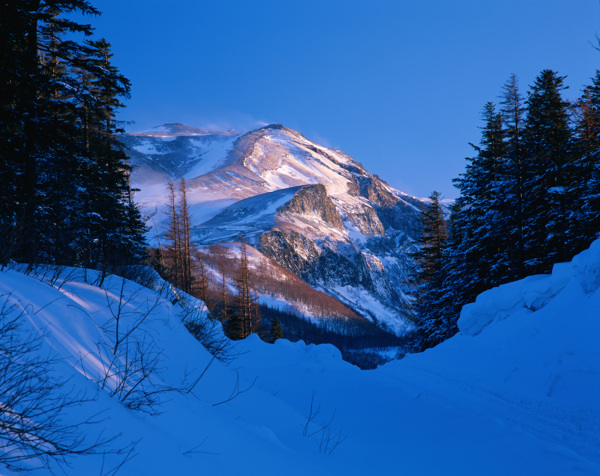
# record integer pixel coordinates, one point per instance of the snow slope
(515, 392)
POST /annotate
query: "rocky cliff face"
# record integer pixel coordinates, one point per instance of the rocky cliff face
(313, 210)
(313, 200)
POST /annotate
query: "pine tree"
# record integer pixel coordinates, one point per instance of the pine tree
(548, 173)
(276, 330)
(481, 214)
(528, 199)
(513, 177)
(115, 225)
(430, 277)
(52, 90)
(585, 215)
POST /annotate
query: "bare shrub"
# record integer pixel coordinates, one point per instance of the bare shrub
(208, 332)
(33, 432)
(321, 430)
(132, 355)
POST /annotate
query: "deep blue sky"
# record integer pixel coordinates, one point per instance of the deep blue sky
(397, 84)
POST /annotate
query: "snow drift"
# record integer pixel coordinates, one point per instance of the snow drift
(517, 391)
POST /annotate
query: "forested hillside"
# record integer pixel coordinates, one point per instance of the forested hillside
(530, 197)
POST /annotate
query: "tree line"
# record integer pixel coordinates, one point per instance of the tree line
(530, 197)
(65, 196)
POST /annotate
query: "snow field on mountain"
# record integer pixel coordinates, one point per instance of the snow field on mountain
(213, 152)
(299, 166)
(363, 301)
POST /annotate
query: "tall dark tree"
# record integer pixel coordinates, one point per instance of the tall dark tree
(276, 331)
(548, 167)
(481, 214)
(64, 181)
(585, 215)
(430, 278)
(513, 116)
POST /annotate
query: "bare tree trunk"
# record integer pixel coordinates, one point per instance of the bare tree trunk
(185, 247)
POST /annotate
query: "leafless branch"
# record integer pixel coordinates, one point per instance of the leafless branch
(328, 440)
(32, 403)
(236, 392)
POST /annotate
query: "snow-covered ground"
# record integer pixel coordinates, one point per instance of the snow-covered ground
(516, 392)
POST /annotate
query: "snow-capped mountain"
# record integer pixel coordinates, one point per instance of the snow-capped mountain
(314, 210)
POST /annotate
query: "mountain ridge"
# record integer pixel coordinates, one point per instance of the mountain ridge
(176, 129)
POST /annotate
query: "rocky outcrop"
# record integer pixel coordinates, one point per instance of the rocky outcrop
(313, 200)
(291, 250)
(366, 219)
(373, 189)
(402, 216)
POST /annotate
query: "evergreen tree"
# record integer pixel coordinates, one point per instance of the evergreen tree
(480, 216)
(430, 279)
(528, 199)
(64, 181)
(512, 187)
(585, 216)
(276, 330)
(548, 172)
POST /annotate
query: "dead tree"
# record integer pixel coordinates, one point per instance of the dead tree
(246, 298)
(185, 239)
(178, 248)
(172, 253)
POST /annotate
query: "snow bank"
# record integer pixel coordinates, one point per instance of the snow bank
(531, 293)
(516, 392)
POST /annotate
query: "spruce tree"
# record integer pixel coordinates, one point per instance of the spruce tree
(585, 215)
(481, 214)
(430, 278)
(513, 177)
(548, 172)
(276, 330)
(55, 151)
(528, 199)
